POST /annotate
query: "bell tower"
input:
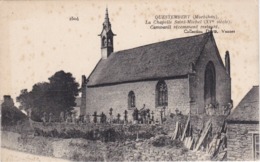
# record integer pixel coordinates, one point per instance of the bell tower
(106, 36)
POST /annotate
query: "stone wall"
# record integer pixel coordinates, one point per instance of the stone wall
(240, 141)
(223, 80)
(85, 150)
(146, 152)
(26, 143)
(101, 99)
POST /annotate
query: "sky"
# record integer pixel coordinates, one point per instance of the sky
(37, 38)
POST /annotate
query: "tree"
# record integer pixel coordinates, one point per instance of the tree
(41, 101)
(10, 114)
(25, 99)
(62, 92)
(55, 96)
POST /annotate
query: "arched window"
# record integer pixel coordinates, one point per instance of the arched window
(104, 41)
(109, 42)
(210, 84)
(161, 94)
(131, 99)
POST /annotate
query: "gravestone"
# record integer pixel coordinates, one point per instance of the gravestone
(50, 117)
(118, 118)
(95, 117)
(148, 116)
(152, 120)
(125, 117)
(103, 118)
(111, 115)
(86, 118)
(61, 116)
(135, 115)
(44, 118)
(73, 118)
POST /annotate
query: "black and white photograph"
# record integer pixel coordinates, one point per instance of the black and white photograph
(168, 80)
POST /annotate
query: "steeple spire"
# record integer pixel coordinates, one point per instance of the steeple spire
(106, 35)
(107, 24)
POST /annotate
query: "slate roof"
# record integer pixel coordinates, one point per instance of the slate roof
(248, 108)
(169, 58)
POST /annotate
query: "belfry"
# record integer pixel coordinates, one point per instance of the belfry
(106, 36)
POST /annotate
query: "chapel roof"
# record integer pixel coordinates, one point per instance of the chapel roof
(171, 58)
(248, 108)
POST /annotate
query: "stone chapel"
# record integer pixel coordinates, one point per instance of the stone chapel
(178, 75)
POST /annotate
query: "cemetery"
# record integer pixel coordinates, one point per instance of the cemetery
(101, 138)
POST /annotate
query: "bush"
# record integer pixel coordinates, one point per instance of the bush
(106, 133)
(177, 144)
(164, 140)
(161, 141)
(109, 135)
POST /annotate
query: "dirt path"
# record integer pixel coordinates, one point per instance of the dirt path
(8, 155)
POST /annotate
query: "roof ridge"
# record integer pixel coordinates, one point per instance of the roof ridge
(205, 34)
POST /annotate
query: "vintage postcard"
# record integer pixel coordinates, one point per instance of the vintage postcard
(167, 80)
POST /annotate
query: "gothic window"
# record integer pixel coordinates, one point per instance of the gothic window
(161, 94)
(256, 146)
(131, 99)
(210, 85)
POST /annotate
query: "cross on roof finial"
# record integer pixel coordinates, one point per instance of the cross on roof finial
(106, 12)
(210, 28)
